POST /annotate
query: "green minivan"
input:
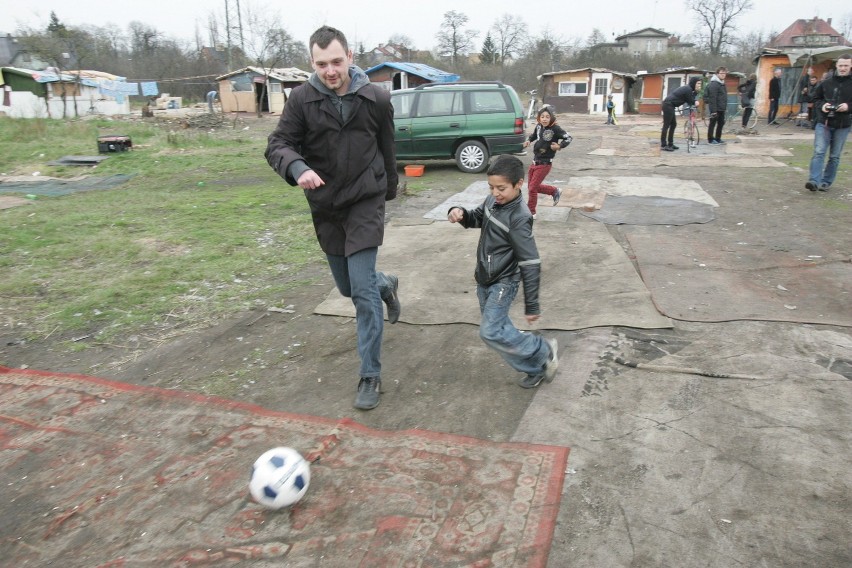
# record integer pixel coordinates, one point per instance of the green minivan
(468, 120)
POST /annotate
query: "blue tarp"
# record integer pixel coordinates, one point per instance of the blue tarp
(419, 69)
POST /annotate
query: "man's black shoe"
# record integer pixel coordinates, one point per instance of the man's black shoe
(369, 389)
(811, 185)
(823, 186)
(673, 147)
(391, 298)
(667, 148)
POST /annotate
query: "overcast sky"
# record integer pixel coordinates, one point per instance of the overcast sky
(421, 20)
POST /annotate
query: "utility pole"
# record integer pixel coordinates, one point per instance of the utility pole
(232, 11)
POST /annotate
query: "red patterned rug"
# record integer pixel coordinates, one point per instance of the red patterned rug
(100, 473)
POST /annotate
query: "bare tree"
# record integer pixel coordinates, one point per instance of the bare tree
(716, 21)
(453, 39)
(509, 33)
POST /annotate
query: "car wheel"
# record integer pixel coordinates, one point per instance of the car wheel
(472, 157)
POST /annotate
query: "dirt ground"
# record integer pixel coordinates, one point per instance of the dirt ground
(758, 474)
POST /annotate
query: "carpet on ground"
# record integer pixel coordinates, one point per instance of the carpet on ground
(641, 210)
(587, 279)
(55, 186)
(100, 473)
(712, 278)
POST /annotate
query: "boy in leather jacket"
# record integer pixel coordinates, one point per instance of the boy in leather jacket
(506, 255)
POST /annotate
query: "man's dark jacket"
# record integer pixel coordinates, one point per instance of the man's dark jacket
(355, 159)
(834, 90)
(716, 95)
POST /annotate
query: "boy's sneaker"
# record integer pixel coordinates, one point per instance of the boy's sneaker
(369, 389)
(824, 186)
(552, 362)
(557, 196)
(812, 185)
(390, 297)
(532, 381)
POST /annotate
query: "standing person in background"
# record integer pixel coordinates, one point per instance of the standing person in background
(747, 91)
(716, 98)
(684, 95)
(774, 95)
(809, 98)
(832, 103)
(335, 141)
(610, 111)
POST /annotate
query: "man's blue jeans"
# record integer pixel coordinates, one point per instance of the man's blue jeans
(525, 352)
(356, 278)
(829, 140)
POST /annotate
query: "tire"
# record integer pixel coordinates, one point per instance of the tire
(752, 120)
(472, 157)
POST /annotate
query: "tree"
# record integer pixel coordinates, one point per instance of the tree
(597, 37)
(509, 32)
(55, 26)
(453, 39)
(488, 56)
(716, 21)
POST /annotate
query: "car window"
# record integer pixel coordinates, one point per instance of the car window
(489, 101)
(436, 104)
(402, 105)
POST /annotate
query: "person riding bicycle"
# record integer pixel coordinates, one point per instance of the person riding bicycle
(684, 95)
(747, 91)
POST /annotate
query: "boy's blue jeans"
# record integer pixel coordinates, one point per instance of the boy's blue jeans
(829, 140)
(356, 278)
(525, 352)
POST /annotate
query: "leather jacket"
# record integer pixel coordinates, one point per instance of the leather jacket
(507, 249)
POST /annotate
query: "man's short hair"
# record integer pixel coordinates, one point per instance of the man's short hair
(324, 36)
(722, 69)
(510, 167)
(845, 56)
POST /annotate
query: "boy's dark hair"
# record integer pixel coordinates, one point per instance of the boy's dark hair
(324, 36)
(507, 166)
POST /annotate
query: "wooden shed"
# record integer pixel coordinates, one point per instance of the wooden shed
(795, 64)
(253, 88)
(586, 90)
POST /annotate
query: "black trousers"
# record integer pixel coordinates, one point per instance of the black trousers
(669, 125)
(747, 115)
(717, 121)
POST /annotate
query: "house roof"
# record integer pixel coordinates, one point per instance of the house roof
(419, 69)
(815, 31)
(591, 69)
(644, 32)
(284, 74)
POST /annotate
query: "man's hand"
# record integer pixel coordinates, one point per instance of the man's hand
(310, 180)
(532, 318)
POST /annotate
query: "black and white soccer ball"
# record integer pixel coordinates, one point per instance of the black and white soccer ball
(279, 478)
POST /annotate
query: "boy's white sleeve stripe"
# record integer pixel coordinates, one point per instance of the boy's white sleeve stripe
(494, 220)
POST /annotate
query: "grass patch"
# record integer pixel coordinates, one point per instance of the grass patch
(204, 229)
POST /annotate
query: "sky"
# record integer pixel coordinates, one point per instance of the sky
(364, 22)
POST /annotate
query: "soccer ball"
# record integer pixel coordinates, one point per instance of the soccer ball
(279, 478)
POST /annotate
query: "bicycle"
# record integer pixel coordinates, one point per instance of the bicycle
(737, 118)
(690, 129)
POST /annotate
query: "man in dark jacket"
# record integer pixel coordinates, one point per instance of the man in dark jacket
(335, 141)
(684, 95)
(716, 98)
(832, 104)
(774, 95)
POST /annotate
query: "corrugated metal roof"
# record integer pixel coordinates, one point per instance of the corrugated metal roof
(286, 74)
(419, 69)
